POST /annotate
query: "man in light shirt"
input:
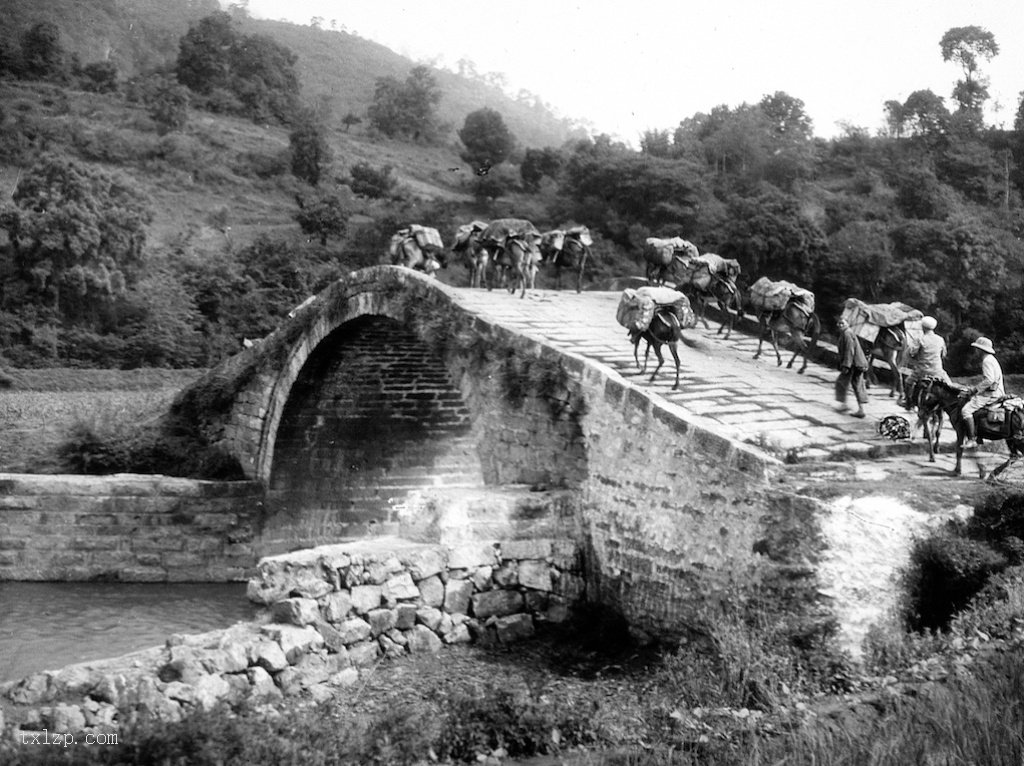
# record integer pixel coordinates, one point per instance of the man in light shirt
(926, 359)
(988, 390)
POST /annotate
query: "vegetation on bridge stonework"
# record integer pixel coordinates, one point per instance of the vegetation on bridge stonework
(523, 368)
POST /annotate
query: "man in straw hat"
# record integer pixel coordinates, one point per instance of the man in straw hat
(988, 390)
(926, 358)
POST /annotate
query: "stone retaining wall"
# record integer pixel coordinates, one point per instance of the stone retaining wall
(390, 595)
(334, 610)
(126, 527)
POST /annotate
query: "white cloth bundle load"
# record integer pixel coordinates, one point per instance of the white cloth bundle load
(636, 307)
(766, 295)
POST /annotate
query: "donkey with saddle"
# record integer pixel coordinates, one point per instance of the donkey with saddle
(710, 277)
(885, 330)
(567, 249)
(418, 247)
(662, 255)
(475, 256)
(783, 307)
(658, 316)
(512, 244)
(1002, 420)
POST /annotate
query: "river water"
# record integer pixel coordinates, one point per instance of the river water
(44, 626)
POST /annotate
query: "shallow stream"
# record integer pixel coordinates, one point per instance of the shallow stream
(44, 626)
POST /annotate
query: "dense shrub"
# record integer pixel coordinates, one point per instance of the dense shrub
(999, 521)
(946, 571)
(368, 181)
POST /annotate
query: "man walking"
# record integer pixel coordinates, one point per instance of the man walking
(988, 390)
(853, 365)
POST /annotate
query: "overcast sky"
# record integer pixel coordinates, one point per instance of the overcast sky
(632, 65)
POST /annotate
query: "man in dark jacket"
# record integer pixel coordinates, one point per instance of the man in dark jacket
(853, 365)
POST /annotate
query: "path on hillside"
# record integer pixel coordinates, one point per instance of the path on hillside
(753, 401)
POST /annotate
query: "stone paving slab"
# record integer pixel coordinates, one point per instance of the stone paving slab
(756, 401)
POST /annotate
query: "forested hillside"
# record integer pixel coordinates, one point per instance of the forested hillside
(205, 172)
(337, 70)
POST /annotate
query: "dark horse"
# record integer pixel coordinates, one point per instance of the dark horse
(1011, 429)
(665, 329)
(723, 291)
(573, 257)
(516, 263)
(929, 412)
(800, 323)
(890, 346)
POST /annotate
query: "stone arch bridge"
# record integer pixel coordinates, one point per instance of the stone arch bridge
(389, 384)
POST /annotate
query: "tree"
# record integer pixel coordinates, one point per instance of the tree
(405, 109)
(263, 77)
(487, 139)
(167, 102)
(787, 117)
(770, 234)
(538, 163)
(213, 59)
(204, 53)
(350, 119)
(656, 143)
(895, 118)
(621, 187)
(860, 258)
(310, 151)
(100, 77)
(41, 52)
(322, 215)
(964, 46)
(368, 181)
(77, 233)
(924, 114)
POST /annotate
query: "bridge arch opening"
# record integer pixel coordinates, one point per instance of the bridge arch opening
(372, 416)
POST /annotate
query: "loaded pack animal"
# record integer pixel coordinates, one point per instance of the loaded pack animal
(567, 249)
(657, 315)
(512, 244)
(783, 308)
(710, 277)
(1001, 421)
(418, 247)
(662, 255)
(467, 244)
(883, 331)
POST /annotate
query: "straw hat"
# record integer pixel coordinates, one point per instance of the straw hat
(929, 323)
(984, 344)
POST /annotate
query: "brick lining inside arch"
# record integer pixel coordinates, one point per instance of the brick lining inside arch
(372, 416)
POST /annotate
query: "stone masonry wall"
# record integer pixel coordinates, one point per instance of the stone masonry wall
(372, 417)
(126, 527)
(672, 513)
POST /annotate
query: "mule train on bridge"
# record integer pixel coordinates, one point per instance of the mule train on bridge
(681, 283)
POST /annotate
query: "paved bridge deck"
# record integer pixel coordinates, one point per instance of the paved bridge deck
(790, 415)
